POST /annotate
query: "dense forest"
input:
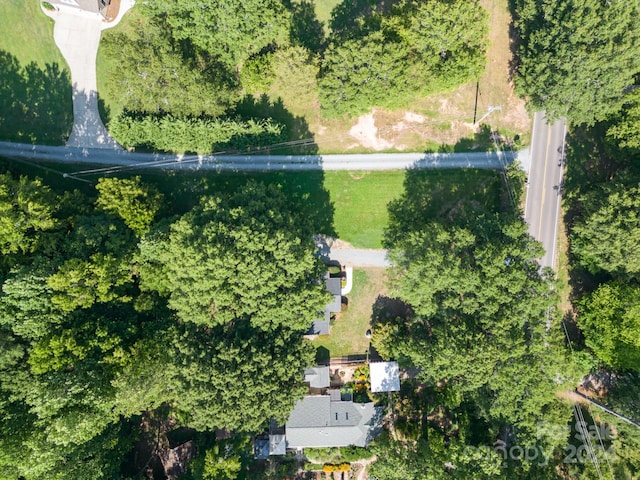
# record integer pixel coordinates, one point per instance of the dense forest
(115, 305)
(136, 313)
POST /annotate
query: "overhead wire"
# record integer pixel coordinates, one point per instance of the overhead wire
(252, 151)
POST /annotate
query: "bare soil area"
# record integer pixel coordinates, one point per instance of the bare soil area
(443, 118)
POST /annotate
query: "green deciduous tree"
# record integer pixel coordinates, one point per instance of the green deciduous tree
(237, 377)
(26, 210)
(626, 128)
(448, 38)
(228, 30)
(577, 57)
(79, 283)
(482, 318)
(152, 75)
(362, 73)
(431, 459)
(134, 202)
(608, 238)
(389, 60)
(610, 321)
(480, 307)
(25, 304)
(249, 257)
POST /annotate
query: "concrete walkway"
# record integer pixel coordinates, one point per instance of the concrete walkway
(77, 35)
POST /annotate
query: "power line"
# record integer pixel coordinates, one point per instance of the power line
(586, 437)
(47, 169)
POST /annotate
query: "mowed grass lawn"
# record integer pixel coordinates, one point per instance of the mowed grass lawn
(27, 33)
(349, 205)
(348, 330)
(360, 200)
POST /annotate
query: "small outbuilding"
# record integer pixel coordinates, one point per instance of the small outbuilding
(384, 376)
(317, 377)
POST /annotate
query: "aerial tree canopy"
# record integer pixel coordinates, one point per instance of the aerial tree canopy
(237, 377)
(154, 75)
(248, 257)
(577, 57)
(482, 319)
(228, 30)
(607, 237)
(610, 321)
(431, 459)
(387, 60)
(26, 209)
(626, 127)
(480, 313)
(134, 202)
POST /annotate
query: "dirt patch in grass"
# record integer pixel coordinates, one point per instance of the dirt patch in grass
(445, 117)
(450, 115)
(348, 330)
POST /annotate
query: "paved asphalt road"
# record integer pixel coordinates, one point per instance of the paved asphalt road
(103, 157)
(542, 207)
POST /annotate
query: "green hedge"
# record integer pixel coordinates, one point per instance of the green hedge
(186, 134)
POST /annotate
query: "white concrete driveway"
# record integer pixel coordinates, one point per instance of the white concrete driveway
(77, 35)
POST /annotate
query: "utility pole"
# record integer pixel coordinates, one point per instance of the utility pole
(491, 108)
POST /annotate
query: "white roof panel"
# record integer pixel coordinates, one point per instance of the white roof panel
(385, 377)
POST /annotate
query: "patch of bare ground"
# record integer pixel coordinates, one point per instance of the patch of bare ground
(442, 118)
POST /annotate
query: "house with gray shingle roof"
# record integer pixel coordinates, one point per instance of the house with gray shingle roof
(317, 377)
(319, 422)
(320, 326)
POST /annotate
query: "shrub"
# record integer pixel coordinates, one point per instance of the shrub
(187, 134)
(257, 73)
(352, 454)
(323, 455)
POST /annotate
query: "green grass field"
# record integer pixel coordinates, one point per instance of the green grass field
(37, 92)
(360, 200)
(27, 33)
(323, 11)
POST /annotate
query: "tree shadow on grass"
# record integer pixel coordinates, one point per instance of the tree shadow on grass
(35, 103)
(299, 137)
(306, 30)
(447, 196)
(514, 42)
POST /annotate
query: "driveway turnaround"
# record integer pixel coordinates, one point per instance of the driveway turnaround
(114, 160)
(542, 207)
